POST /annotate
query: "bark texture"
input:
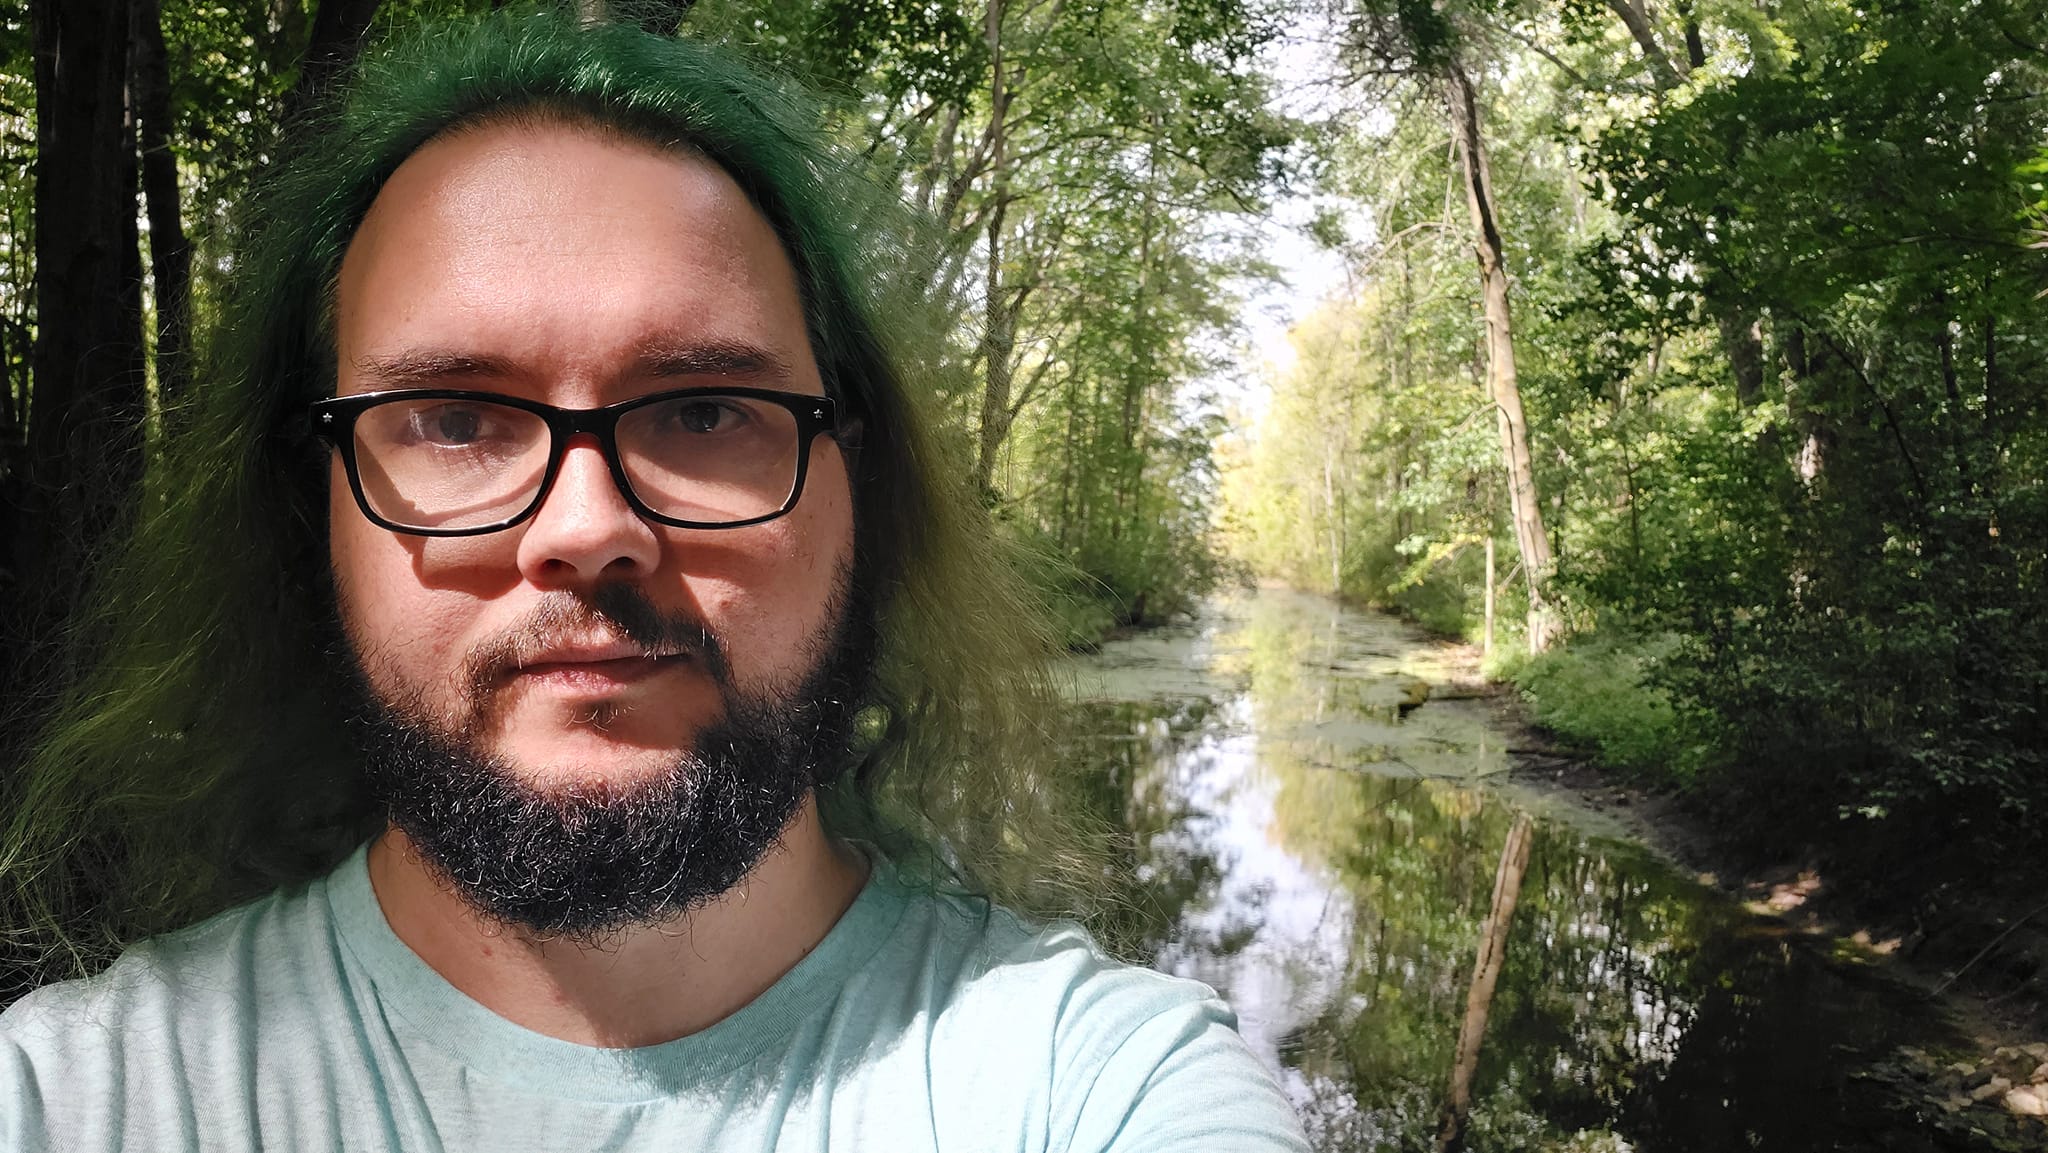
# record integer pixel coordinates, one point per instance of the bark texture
(85, 414)
(1501, 383)
(170, 253)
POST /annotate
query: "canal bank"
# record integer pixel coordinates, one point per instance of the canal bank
(1415, 933)
(1976, 965)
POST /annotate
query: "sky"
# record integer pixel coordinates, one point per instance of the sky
(1308, 274)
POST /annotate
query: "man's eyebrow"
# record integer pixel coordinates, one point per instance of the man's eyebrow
(420, 368)
(712, 358)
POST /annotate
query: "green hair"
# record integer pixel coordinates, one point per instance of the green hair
(198, 758)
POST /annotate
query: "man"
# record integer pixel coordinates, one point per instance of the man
(554, 410)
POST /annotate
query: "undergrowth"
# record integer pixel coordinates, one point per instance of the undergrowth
(1597, 693)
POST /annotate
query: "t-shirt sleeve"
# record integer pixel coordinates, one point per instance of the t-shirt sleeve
(35, 1062)
(20, 1100)
(1184, 1080)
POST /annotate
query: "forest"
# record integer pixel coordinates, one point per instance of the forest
(1690, 358)
(1744, 392)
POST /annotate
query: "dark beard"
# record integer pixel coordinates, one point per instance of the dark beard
(586, 861)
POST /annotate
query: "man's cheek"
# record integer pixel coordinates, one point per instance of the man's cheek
(410, 652)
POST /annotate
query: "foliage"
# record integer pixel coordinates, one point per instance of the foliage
(1850, 612)
(1595, 694)
(1778, 321)
(1089, 224)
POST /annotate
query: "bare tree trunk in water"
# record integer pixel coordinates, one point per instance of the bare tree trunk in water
(1493, 951)
(1501, 384)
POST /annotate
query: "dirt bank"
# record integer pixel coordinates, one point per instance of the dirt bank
(1977, 956)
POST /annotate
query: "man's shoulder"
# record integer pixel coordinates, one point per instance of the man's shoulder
(979, 970)
(119, 1059)
(206, 972)
(989, 958)
(1105, 1054)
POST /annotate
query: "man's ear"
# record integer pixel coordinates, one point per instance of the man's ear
(848, 437)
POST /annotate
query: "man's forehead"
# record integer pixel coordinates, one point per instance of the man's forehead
(558, 238)
(522, 171)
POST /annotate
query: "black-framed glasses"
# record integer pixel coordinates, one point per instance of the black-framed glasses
(448, 462)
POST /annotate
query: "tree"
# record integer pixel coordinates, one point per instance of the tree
(170, 253)
(1428, 46)
(141, 109)
(85, 410)
(1080, 160)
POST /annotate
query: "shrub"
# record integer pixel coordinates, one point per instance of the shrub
(1596, 692)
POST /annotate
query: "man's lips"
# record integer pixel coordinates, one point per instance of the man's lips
(593, 667)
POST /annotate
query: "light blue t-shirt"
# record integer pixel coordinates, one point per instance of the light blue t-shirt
(920, 1022)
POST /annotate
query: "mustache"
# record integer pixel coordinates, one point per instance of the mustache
(606, 613)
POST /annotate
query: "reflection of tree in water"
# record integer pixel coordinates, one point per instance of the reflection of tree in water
(1629, 1000)
(1162, 865)
(1583, 999)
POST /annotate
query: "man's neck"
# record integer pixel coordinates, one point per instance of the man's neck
(651, 983)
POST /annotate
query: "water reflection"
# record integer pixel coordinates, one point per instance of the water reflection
(1313, 843)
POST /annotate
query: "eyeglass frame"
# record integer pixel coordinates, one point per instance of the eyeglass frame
(334, 418)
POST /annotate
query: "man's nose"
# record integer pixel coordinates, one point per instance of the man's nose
(585, 531)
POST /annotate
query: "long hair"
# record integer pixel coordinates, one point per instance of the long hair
(198, 757)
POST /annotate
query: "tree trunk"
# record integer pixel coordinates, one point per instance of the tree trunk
(999, 337)
(1743, 343)
(1501, 382)
(1741, 334)
(1493, 951)
(1487, 649)
(1666, 71)
(170, 255)
(1336, 520)
(1695, 48)
(1138, 372)
(85, 414)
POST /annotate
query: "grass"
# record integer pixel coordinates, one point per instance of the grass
(1594, 694)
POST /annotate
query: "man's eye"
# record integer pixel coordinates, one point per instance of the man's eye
(706, 416)
(450, 424)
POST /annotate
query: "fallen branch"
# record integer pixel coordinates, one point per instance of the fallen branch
(1985, 951)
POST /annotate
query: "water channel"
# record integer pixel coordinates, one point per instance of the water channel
(1324, 852)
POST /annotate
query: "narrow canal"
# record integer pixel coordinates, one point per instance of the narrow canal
(1326, 852)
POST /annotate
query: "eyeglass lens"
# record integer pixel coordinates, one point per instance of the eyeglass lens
(440, 463)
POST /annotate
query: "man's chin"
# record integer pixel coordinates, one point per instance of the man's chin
(591, 770)
(578, 851)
